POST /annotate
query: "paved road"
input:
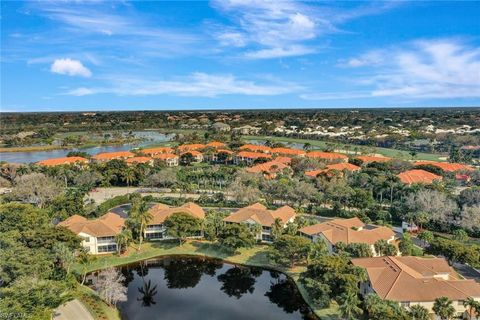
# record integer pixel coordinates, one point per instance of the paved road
(72, 310)
(467, 271)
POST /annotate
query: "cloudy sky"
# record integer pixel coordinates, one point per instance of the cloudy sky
(106, 55)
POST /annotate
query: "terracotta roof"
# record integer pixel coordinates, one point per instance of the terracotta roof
(261, 215)
(286, 160)
(190, 147)
(346, 231)
(416, 279)
(253, 155)
(270, 166)
(446, 166)
(192, 152)
(164, 156)
(336, 166)
(138, 160)
(160, 212)
(215, 144)
(113, 155)
(326, 155)
(368, 159)
(418, 176)
(224, 151)
(288, 151)
(255, 147)
(61, 161)
(154, 151)
(110, 224)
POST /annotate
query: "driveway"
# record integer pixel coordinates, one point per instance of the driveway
(467, 271)
(72, 310)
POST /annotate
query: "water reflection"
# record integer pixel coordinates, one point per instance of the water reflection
(184, 287)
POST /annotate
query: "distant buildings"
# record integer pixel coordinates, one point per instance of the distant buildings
(418, 176)
(246, 130)
(63, 161)
(108, 156)
(221, 127)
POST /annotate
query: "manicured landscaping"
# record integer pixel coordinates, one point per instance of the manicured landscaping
(394, 153)
(96, 306)
(255, 256)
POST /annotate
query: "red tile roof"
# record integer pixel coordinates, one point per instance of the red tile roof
(154, 151)
(418, 176)
(327, 155)
(253, 155)
(160, 212)
(61, 161)
(164, 156)
(368, 159)
(215, 144)
(288, 151)
(113, 155)
(110, 224)
(336, 166)
(259, 213)
(256, 148)
(270, 167)
(192, 152)
(138, 160)
(190, 147)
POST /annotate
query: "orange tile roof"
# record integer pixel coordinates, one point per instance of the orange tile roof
(336, 166)
(255, 148)
(327, 155)
(113, 155)
(253, 155)
(288, 151)
(416, 279)
(224, 151)
(368, 159)
(270, 167)
(215, 144)
(161, 212)
(190, 147)
(418, 176)
(192, 152)
(446, 166)
(346, 231)
(110, 224)
(285, 160)
(259, 213)
(61, 161)
(154, 151)
(165, 156)
(138, 160)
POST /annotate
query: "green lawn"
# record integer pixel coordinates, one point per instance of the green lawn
(393, 153)
(255, 256)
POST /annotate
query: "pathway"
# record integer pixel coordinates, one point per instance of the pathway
(72, 310)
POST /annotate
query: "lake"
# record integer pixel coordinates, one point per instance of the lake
(187, 287)
(149, 137)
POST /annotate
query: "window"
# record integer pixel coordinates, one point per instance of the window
(266, 228)
(86, 239)
(154, 235)
(107, 248)
(405, 304)
(266, 237)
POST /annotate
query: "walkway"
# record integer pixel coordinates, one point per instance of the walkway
(72, 310)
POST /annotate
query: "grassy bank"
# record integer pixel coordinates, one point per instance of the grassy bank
(393, 153)
(96, 306)
(256, 256)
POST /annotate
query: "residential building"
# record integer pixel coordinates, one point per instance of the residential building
(289, 152)
(136, 160)
(258, 214)
(190, 147)
(63, 161)
(98, 236)
(155, 151)
(446, 166)
(347, 231)
(418, 176)
(255, 148)
(170, 159)
(268, 169)
(160, 212)
(328, 156)
(197, 155)
(246, 130)
(334, 167)
(218, 155)
(108, 156)
(250, 157)
(221, 127)
(413, 281)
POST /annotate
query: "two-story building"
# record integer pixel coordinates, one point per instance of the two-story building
(258, 214)
(169, 159)
(160, 212)
(98, 235)
(347, 231)
(413, 281)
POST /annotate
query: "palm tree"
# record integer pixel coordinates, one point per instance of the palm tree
(277, 228)
(129, 176)
(443, 308)
(417, 312)
(123, 239)
(142, 216)
(349, 309)
(472, 306)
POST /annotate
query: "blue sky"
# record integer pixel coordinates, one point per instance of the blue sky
(105, 55)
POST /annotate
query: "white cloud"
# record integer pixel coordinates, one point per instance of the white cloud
(296, 50)
(426, 69)
(70, 67)
(195, 85)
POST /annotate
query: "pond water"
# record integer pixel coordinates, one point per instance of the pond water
(186, 287)
(148, 137)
